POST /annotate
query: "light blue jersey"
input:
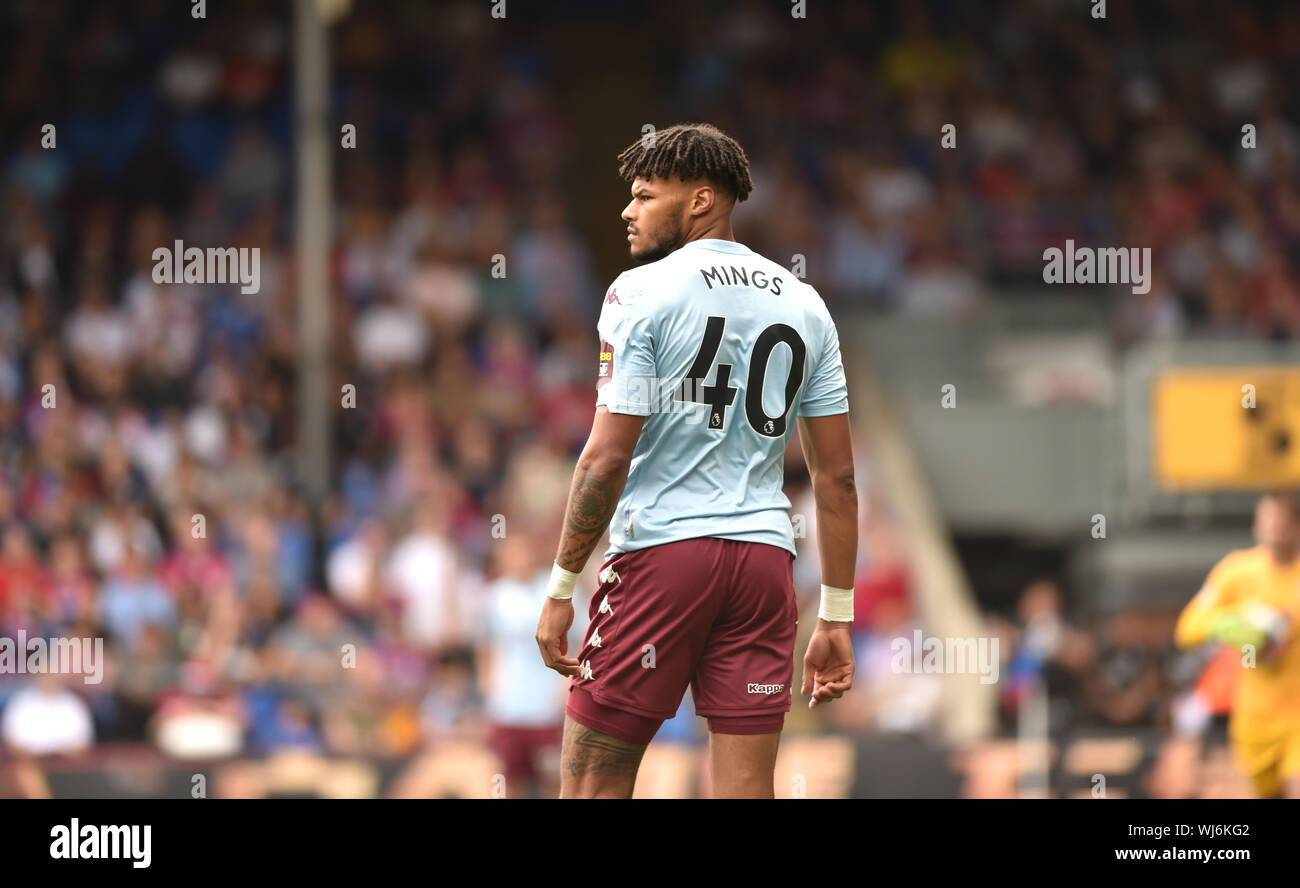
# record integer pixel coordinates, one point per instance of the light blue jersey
(720, 349)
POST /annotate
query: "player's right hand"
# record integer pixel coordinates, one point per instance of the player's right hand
(553, 635)
(1257, 625)
(828, 664)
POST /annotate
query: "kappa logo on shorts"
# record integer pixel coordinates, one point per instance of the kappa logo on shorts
(765, 689)
(595, 638)
(609, 575)
(584, 671)
(605, 608)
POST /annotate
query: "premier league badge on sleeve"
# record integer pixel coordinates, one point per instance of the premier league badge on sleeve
(606, 363)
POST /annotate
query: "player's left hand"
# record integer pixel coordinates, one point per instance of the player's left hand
(828, 664)
(553, 635)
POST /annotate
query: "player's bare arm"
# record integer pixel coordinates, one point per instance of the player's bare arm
(828, 451)
(598, 482)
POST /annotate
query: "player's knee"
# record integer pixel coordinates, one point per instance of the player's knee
(744, 783)
(597, 788)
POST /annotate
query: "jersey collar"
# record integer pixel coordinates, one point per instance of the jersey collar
(717, 245)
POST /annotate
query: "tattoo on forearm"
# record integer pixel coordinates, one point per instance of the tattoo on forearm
(592, 502)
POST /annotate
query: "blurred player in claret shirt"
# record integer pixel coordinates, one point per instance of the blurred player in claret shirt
(523, 699)
(1251, 602)
(709, 356)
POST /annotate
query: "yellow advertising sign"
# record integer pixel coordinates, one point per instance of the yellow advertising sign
(1226, 427)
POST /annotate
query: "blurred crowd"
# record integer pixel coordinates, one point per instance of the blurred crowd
(150, 485)
(924, 155)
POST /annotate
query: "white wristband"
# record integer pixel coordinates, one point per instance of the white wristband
(837, 605)
(561, 583)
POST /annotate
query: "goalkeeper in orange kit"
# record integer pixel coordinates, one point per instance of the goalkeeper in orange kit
(1251, 601)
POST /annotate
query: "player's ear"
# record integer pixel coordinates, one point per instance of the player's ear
(703, 200)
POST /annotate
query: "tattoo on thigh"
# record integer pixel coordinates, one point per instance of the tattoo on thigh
(588, 752)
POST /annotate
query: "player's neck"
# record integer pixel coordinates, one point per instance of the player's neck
(716, 229)
(1283, 557)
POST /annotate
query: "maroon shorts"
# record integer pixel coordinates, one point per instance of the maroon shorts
(520, 748)
(717, 615)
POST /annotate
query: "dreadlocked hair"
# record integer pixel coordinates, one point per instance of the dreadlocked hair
(689, 151)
